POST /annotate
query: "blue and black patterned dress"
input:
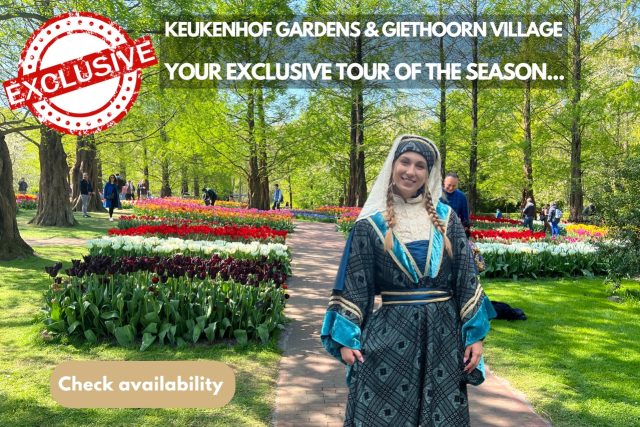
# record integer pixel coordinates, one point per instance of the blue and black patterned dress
(413, 345)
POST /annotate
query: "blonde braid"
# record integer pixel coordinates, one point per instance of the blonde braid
(391, 219)
(435, 219)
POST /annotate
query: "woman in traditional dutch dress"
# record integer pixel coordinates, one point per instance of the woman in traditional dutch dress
(409, 362)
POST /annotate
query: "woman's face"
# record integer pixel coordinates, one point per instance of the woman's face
(112, 179)
(409, 174)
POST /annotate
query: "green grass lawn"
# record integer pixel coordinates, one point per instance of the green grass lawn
(577, 357)
(26, 360)
(87, 228)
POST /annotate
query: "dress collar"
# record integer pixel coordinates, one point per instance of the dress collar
(398, 200)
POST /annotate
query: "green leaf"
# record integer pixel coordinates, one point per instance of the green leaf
(91, 306)
(72, 327)
(241, 336)
(202, 320)
(110, 326)
(147, 340)
(263, 333)
(90, 336)
(55, 312)
(110, 315)
(152, 328)
(210, 331)
(197, 331)
(164, 329)
(152, 317)
(56, 326)
(124, 335)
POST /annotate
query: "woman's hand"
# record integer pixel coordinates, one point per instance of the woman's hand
(472, 356)
(350, 355)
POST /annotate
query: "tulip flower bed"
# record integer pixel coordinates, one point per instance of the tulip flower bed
(26, 201)
(142, 307)
(481, 235)
(538, 259)
(228, 204)
(585, 231)
(490, 219)
(117, 246)
(246, 271)
(338, 211)
(347, 221)
(189, 209)
(206, 232)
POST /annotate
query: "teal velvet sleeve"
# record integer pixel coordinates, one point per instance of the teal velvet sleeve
(474, 330)
(478, 326)
(338, 331)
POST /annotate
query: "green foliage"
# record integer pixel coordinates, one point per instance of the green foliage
(617, 204)
(131, 308)
(506, 264)
(28, 361)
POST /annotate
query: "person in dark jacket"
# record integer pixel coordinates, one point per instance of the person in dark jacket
(112, 195)
(456, 199)
(22, 186)
(86, 191)
(529, 213)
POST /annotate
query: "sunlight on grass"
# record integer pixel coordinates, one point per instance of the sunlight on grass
(26, 363)
(87, 228)
(576, 357)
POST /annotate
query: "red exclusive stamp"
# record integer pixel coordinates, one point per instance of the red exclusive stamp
(80, 73)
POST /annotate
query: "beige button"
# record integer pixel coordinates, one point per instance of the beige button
(183, 384)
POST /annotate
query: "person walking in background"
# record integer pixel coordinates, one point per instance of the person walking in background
(555, 215)
(86, 191)
(129, 192)
(111, 195)
(142, 190)
(22, 186)
(529, 213)
(213, 196)
(544, 214)
(209, 196)
(498, 214)
(456, 200)
(120, 184)
(277, 197)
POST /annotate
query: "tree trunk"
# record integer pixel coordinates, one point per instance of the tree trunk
(473, 158)
(86, 157)
(357, 193)
(255, 193)
(443, 102)
(527, 191)
(145, 166)
(99, 178)
(262, 147)
(165, 190)
(290, 190)
(11, 244)
(196, 184)
(54, 208)
(184, 187)
(575, 195)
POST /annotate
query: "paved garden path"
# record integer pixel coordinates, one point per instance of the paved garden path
(311, 388)
(57, 241)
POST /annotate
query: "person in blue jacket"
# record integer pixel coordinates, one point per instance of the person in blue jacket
(456, 199)
(111, 195)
